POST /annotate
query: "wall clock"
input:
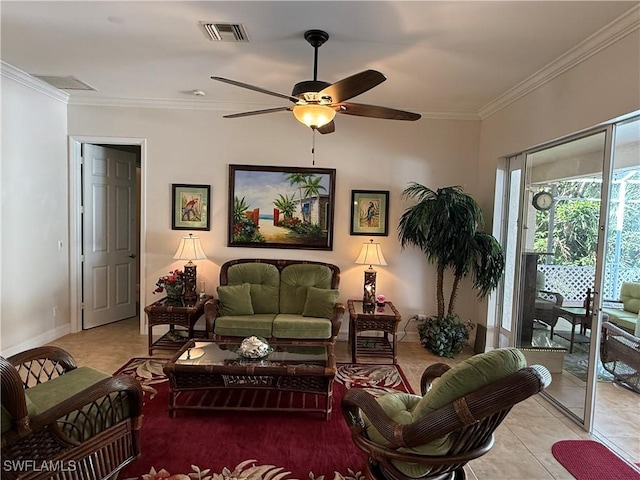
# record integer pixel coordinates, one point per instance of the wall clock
(542, 201)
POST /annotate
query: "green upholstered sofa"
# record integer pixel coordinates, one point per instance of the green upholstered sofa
(627, 316)
(64, 422)
(284, 301)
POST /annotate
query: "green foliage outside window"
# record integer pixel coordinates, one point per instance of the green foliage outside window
(575, 232)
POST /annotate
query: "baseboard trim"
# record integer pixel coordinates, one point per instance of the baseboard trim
(38, 341)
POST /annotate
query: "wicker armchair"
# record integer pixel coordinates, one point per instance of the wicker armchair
(64, 422)
(544, 311)
(461, 430)
(620, 355)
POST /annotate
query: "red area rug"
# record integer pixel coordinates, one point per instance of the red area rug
(589, 460)
(256, 445)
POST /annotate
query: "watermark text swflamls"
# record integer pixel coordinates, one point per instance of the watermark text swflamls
(32, 465)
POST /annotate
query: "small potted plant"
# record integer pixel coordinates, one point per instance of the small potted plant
(173, 284)
(445, 336)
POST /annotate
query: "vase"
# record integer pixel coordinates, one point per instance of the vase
(174, 292)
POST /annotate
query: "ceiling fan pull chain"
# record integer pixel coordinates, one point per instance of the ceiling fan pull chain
(313, 147)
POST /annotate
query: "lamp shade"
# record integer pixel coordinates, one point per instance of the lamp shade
(313, 115)
(190, 249)
(371, 254)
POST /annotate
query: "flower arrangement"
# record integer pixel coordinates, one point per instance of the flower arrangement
(175, 278)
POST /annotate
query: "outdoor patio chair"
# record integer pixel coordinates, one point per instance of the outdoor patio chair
(433, 436)
(544, 311)
(620, 355)
(545, 300)
(64, 422)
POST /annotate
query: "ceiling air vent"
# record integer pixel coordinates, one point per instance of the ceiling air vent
(225, 32)
(65, 83)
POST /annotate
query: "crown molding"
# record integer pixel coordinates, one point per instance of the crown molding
(606, 36)
(450, 115)
(17, 75)
(171, 103)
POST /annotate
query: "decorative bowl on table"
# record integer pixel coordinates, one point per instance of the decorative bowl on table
(254, 348)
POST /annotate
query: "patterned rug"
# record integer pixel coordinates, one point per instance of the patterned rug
(261, 445)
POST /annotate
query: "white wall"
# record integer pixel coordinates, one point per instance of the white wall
(196, 146)
(602, 88)
(34, 214)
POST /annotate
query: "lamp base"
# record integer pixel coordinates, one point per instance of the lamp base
(190, 294)
(369, 297)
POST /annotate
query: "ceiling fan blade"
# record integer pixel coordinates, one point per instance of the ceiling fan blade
(375, 111)
(257, 112)
(351, 86)
(328, 128)
(254, 88)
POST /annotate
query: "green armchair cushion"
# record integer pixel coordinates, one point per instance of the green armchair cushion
(466, 377)
(264, 281)
(630, 296)
(47, 395)
(470, 375)
(320, 302)
(296, 279)
(235, 299)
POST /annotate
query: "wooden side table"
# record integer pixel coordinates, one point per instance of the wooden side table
(183, 315)
(378, 319)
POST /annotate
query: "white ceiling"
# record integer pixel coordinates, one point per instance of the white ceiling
(440, 58)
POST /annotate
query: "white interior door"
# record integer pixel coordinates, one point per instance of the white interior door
(109, 236)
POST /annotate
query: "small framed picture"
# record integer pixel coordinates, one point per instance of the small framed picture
(190, 207)
(370, 212)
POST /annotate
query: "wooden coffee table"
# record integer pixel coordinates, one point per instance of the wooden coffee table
(210, 375)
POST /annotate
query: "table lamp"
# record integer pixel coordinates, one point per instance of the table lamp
(371, 254)
(190, 249)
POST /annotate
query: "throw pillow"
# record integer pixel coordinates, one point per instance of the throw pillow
(235, 300)
(320, 302)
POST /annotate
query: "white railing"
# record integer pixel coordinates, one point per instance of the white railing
(572, 281)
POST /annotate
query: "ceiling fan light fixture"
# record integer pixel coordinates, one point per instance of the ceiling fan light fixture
(313, 115)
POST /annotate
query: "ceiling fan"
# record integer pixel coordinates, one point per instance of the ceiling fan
(315, 103)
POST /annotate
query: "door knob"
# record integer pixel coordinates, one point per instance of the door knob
(133, 255)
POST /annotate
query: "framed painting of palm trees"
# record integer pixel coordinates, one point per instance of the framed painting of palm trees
(369, 212)
(281, 207)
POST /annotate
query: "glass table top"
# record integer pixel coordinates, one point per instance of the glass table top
(225, 354)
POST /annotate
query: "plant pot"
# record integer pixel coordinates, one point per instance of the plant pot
(446, 337)
(174, 292)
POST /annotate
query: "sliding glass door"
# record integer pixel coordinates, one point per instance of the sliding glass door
(555, 237)
(561, 267)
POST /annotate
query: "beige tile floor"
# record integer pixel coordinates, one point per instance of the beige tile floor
(523, 441)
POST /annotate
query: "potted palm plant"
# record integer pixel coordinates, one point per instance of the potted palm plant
(444, 224)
